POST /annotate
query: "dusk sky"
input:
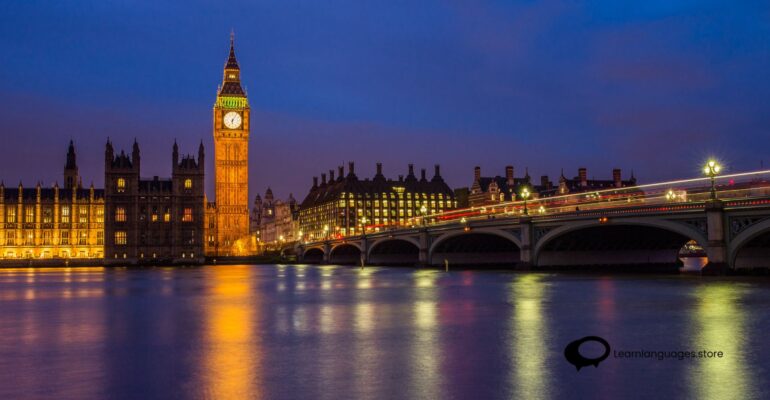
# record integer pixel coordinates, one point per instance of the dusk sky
(656, 86)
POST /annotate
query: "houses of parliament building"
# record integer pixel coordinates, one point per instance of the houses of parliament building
(136, 220)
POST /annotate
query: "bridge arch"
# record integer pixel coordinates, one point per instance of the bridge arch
(632, 241)
(394, 251)
(347, 253)
(751, 247)
(313, 255)
(477, 247)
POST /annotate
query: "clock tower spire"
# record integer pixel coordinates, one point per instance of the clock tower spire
(231, 161)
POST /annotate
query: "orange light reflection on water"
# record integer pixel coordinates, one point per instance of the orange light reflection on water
(232, 361)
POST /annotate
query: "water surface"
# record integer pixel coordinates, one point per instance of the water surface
(330, 332)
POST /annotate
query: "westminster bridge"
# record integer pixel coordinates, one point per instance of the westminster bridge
(636, 226)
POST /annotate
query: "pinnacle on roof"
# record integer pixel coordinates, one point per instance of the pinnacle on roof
(232, 62)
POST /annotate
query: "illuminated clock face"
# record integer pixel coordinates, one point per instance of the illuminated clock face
(232, 120)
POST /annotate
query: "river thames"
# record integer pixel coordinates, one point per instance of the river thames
(332, 332)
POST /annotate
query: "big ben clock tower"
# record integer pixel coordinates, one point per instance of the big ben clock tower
(231, 161)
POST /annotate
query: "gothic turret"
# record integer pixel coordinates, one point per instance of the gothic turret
(71, 176)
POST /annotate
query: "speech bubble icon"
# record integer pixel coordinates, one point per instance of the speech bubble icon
(573, 356)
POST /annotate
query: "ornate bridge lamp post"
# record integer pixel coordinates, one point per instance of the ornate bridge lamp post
(670, 195)
(423, 211)
(712, 170)
(364, 221)
(525, 195)
(326, 232)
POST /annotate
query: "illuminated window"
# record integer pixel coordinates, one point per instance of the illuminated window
(47, 237)
(167, 215)
(120, 214)
(188, 183)
(47, 215)
(64, 237)
(11, 215)
(100, 214)
(83, 239)
(100, 238)
(65, 214)
(10, 239)
(83, 215)
(29, 214)
(121, 185)
(29, 238)
(120, 237)
(187, 215)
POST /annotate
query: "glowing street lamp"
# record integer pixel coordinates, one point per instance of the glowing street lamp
(712, 170)
(423, 211)
(670, 195)
(326, 231)
(364, 221)
(525, 195)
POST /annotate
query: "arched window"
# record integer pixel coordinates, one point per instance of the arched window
(188, 183)
(121, 185)
(120, 214)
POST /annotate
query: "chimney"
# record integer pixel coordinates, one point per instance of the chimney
(323, 179)
(422, 175)
(476, 173)
(509, 175)
(379, 168)
(341, 171)
(411, 169)
(544, 182)
(400, 178)
(331, 175)
(583, 175)
(315, 182)
(351, 168)
(437, 173)
(616, 177)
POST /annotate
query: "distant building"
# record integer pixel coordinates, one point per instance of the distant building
(153, 220)
(581, 183)
(274, 221)
(498, 189)
(347, 205)
(462, 197)
(42, 223)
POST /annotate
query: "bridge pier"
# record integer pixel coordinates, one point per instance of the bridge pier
(327, 253)
(525, 253)
(424, 256)
(716, 248)
(364, 250)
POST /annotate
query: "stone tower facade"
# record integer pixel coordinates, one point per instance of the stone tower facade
(231, 162)
(156, 220)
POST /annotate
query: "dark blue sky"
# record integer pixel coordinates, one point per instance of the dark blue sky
(657, 86)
